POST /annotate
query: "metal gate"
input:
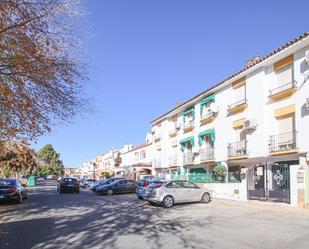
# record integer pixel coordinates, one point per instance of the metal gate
(269, 182)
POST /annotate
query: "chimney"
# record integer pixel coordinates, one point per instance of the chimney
(253, 61)
(178, 104)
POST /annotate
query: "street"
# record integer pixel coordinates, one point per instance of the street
(50, 220)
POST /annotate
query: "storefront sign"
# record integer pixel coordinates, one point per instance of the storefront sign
(259, 171)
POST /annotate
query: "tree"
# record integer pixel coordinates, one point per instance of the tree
(41, 74)
(16, 157)
(49, 162)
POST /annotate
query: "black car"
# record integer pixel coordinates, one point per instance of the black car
(11, 189)
(118, 186)
(68, 184)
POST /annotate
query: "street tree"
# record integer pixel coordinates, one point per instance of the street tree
(17, 157)
(49, 161)
(41, 71)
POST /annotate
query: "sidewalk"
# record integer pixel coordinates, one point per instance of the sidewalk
(272, 207)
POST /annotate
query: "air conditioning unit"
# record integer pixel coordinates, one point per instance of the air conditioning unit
(250, 124)
(307, 103)
(177, 126)
(214, 107)
(153, 130)
(195, 151)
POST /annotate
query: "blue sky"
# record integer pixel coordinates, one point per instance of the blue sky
(146, 55)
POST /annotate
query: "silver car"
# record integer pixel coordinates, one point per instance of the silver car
(176, 191)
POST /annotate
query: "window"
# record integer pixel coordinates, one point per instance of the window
(136, 156)
(143, 154)
(285, 75)
(286, 124)
(188, 184)
(174, 184)
(240, 93)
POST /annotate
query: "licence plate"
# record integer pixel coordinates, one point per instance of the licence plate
(1, 196)
(70, 185)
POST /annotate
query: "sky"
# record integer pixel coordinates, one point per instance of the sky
(147, 55)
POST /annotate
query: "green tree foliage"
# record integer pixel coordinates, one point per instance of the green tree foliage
(49, 162)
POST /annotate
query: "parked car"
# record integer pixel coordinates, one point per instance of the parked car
(143, 184)
(11, 189)
(118, 186)
(176, 191)
(84, 183)
(51, 177)
(105, 182)
(68, 184)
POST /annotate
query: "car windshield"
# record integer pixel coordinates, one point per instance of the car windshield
(7, 182)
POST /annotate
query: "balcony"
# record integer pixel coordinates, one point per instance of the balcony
(207, 118)
(157, 163)
(173, 160)
(157, 138)
(173, 132)
(238, 106)
(284, 143)
(188, 158)
(237, 150)
(188, 126)
(283, 92)
(207, 155)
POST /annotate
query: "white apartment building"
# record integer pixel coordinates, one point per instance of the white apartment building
(138, 160)
(255, 123)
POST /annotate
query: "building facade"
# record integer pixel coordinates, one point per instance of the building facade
(254, 123)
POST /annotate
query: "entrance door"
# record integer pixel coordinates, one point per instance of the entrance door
(279, 184)
(256, 183)
(270, 182)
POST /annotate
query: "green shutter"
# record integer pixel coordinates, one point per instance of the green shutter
(184, 114)
(208, 99)
(183, 141)
(212, 134)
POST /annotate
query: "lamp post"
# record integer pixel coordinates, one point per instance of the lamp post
(94, 170)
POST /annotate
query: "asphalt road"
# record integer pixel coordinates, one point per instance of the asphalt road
(50, 220)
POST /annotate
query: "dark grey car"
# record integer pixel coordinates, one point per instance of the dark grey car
(117, 187)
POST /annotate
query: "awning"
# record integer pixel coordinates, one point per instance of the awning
(211, 132)
(208, 99)
(191, 111)
(186, 140)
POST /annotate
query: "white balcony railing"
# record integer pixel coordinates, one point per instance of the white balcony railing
(237, 149)
(188, 158)
(173, 160)
(207, 154)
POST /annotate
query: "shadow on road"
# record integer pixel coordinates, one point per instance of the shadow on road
(91, 221)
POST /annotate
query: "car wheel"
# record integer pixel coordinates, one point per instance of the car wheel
(20, 199)
(110, 192)
(141, 198)
(205, 198)
(25, 196)
(168, 201)
(77, 192)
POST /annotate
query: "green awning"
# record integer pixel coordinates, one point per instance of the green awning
(212, 134)
(186, 140)
(184, 114)
(208, 99)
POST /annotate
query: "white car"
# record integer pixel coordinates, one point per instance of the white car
(176, 191)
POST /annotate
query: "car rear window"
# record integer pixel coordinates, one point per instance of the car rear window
(7, 183)
(156, 184)
(69, 180)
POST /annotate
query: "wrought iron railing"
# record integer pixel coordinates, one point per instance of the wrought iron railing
(283, 141)
(207, 115)
(173, 160)
(207, 154)
(282, 88)
(188, 158)
(238, 103)
(237, 149)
